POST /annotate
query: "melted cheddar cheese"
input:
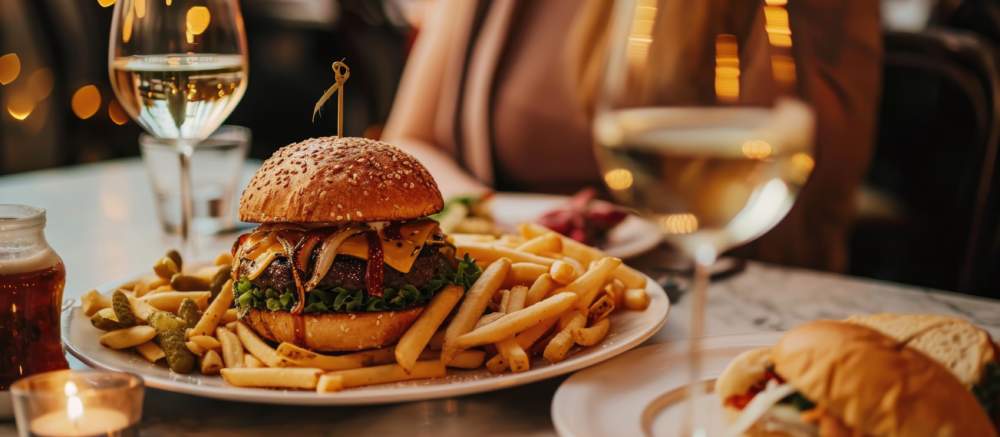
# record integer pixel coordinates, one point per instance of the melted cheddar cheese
(398, 254)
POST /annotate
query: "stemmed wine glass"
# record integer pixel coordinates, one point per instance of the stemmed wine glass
(699, 126)
(179, 68)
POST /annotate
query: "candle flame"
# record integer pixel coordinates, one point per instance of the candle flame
(70, 389)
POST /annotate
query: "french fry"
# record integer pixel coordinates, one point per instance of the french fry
(504, 300)
(616, 288)
(171, 300)
(517, 321)
(489, 318)
(512, 353)
(206, 342)
(590, 282)
(210, 319)
(560, 345)
(467, 359)
(585, 254)
(330, 383)
(232, 349)
(223, 259)
(524, 273)
(141, 288)
(231, 326)
(636, 299)
(128, 337)
(540, 289)
(211, 363)
(548, 242)
(229, 316)
(253, 344)
(152, 352)
(306, 358)
(528, 337)
(141, 308)
(601, 308)
(510, 240)
(489, 252)
(195, 348)
(301, 378)
(577, 267)
(390, 373)
(592, 335)
(562, 272)
(94, 301)
(497, 364)
(415, 339)
(473, 305)
(251, 362)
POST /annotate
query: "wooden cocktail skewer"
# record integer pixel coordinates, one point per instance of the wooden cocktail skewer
(341, 72)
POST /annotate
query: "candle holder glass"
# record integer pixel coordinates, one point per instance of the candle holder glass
(78, 403)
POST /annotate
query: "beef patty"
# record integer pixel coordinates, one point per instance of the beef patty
(349, 272)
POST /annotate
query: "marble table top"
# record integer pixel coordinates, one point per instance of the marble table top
(101, 222)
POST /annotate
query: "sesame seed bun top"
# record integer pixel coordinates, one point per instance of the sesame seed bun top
(332, 179)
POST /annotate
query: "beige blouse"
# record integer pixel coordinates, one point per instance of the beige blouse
(488, 85)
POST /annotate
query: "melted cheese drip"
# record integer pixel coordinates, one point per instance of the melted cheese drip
(398, 254)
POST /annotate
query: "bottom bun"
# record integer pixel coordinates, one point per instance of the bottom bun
(333, 332)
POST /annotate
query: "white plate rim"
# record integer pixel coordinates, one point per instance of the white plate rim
(569, 396)
(657, 312)
(648, 239)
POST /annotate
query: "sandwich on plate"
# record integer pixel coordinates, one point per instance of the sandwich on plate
(874, 375)
(345, 258)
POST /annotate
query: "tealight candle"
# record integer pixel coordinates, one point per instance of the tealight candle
(74, 403)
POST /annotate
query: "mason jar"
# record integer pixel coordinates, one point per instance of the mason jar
(32, 277)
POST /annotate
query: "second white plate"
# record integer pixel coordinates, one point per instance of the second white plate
(632, 237)
(617, 397)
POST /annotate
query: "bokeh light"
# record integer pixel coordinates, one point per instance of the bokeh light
(618, 179)
(10, 68)
(106, 3)
(20, 104)
(86, 101)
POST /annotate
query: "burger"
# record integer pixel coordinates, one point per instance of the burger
(345, 257)
(882, 375)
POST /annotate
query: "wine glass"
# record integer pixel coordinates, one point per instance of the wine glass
(699, 127)
(179, 68)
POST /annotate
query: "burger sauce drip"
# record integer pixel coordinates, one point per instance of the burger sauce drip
(375, 270)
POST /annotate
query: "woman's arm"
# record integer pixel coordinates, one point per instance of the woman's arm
(413, 119)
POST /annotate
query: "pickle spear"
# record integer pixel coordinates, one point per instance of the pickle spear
(189, 312)
(122, 309)
(170, 335)
(105, 320)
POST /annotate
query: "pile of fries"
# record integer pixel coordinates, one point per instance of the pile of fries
(539, 295)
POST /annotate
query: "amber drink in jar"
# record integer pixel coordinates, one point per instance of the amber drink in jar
(32, 277)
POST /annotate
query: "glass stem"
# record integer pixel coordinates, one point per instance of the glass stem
(703, 260)
(185, 152)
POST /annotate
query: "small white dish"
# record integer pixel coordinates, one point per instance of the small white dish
(632, 237)
(629, 394)
(628, 330)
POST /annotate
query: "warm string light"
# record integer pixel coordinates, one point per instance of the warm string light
(727, 68)
(640, 36)
(779, 35)
(678, 224)
(10, 68)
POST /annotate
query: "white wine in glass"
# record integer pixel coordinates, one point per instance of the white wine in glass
(179, 68)
(180, 95)
(700, 127)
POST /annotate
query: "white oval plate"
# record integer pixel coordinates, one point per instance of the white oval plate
(628, 330)
(632, 237)
(618, 396)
